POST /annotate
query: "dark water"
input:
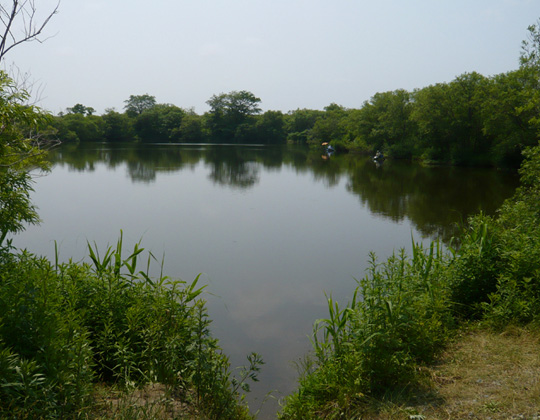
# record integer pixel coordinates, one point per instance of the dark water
(271, 228)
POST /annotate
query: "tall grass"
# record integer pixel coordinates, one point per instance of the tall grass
(399, 318)
(65, 327)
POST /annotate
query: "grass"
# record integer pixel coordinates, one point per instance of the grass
(482, 375)
(492, 373)
(154, 401)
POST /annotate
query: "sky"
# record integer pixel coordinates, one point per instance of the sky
(291, 54)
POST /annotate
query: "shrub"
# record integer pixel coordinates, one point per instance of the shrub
(475, 270)
(65, 327)
(374, 345)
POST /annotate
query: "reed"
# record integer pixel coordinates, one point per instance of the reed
(65, 327)
(399, 318)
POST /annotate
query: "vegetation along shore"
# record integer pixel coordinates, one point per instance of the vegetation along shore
(422, 335)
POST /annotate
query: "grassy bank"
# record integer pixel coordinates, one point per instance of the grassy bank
(89, 341)
(481, 374)
(383, 347)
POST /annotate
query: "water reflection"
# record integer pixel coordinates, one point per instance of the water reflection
(436, 200)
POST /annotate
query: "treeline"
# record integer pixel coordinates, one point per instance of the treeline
(472, 120)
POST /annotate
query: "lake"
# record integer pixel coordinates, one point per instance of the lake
(271, 228)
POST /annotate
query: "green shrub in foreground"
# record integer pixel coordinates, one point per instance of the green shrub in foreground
(374, 345)
(517, 297)
(65, 327)
(496, 273)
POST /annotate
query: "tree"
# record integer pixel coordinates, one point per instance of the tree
(22, 141)
(530, 47)
(231, 115)
(21, 24)
(118, 127)
(137, 104)
(21, 145)
(81, 109)
(161, 123)
(191, 128)
(530, 61)
(507, 118)
(330, 126)
(271, 128)
(299, 123)
(84, 128)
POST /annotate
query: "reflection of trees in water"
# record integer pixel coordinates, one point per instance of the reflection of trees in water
(138, 171)
(234, 166)
(241, 175)
(435, 200)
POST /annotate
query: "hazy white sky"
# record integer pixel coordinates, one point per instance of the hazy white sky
(290, 53)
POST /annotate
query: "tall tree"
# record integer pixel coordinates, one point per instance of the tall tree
(330, 126)
(231, 115)
(530, 61)
(81, 109)
(161, 123)
(117, 127)
(137, 104)
(299, 123)
(271, 128)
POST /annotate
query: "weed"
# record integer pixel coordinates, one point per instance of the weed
(65, 327)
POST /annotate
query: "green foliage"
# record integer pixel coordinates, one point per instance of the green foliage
(118, 127)
(191, 130)
(496, 273)
(270, 128)
(474, 273)
(231, 116)
(78, 127)
(16, 209)
(160, 123)
(46, 360)
(384, 123)
(299, 123)
(65, 327)
(517, 297)
(137, 104)
(21, 147)
(399, 318)
(506, 123)
(81, 109)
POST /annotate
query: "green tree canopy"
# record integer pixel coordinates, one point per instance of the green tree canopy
(230, 113)
(161, 123)
(21, 145)
(81, 109)
(137, 104)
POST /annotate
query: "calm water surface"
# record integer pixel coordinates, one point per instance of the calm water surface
(271, 228)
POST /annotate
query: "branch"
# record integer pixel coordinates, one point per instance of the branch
(24, 11)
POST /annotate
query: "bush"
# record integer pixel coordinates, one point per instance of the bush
(517, 298)
(65, 327)
(496, 275)
(474, 274)
(374, 345)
